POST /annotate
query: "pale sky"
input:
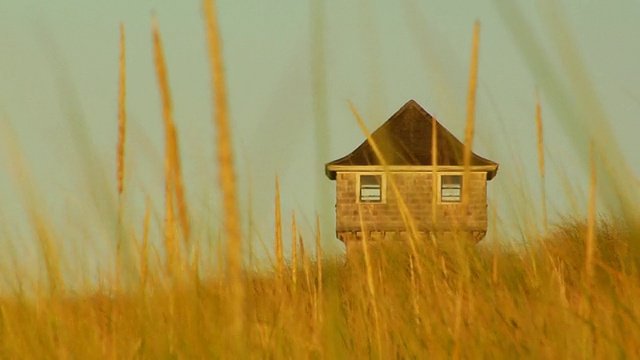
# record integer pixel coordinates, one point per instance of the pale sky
(60, 59)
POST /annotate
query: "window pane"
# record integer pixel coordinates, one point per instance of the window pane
(370, 180)
(452, 180)
(450, 192)
(370, 194)
(370, 188)
(451, 188)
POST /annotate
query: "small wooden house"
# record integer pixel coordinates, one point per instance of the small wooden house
(438, 198)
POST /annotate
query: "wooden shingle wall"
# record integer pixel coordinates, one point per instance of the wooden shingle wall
(417, 192)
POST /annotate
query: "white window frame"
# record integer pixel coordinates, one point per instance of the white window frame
(383, 187)
(462, 184)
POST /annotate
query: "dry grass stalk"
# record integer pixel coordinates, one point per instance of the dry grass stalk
(494, 232)
(370, 284)
(414, 291)
(306, 263)
(457, 322)
(471, 108)
(226, 171)
(591, 219)
(294, 250)
(122, 115)
(170, 236)
(183, 212)
(586, 305)
(541, 159)
(250, 221)
(120, 147)
(171, 137)
(404, 210)
(317, 295)
(320, 99)
(22, 176)
(278, 236)
(50, 255)
(144, 253)
(434, 178)
(195, 263)
(220, 255)
(319, 253)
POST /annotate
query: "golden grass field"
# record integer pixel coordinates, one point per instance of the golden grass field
(569, 292)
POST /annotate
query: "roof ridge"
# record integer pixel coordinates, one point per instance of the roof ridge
(405, 139)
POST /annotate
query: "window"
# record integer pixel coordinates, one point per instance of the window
(370, 188)
(451, 188)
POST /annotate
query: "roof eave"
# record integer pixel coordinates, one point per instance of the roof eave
(331, 169)
(331, 174)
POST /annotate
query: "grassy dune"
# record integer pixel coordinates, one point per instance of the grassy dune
(569, 292)
(467, 302)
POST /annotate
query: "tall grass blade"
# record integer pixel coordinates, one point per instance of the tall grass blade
(44, 233)
(370, 284)
(306, 263)
(97, 181)
(183, 211)
(144, 253)
(319, 77)
(170, 236)
(122, 113)
(541, 160)
(278, 235)
(434, 179)
(226, 169)
(494, 232)
(591, 217)
(122, 127)
(574, 99)
(319, 253)
(294, 250)
(402, 206)
(471, 110)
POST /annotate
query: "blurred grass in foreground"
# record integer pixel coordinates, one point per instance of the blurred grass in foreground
(471, 303)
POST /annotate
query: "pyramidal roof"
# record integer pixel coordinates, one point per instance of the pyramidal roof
(405, 139)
